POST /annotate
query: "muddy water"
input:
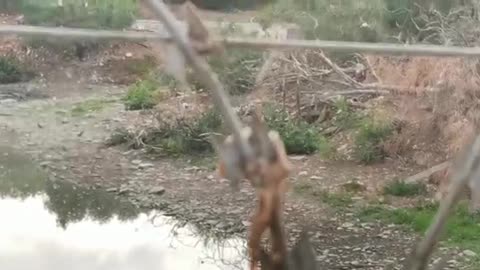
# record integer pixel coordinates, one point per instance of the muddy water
(48, 225)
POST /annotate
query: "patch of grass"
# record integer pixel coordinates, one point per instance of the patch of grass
(144, 94)
(89, 106)
(368, 141)
(10, 70)
(298, 136)
(462, 228)
(400, 188)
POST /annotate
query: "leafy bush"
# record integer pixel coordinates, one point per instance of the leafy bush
(298, 136)
(144, 94)
(402, 189)
(10, 70)
(369, 139)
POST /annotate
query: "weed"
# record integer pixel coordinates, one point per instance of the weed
(89, 106)
(144, 94)
(369, 139)
(400, 188)
(298, 136)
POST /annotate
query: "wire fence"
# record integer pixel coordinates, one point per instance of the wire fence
(465, 173)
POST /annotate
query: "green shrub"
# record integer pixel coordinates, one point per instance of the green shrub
(369, 139)
(298, 136)
(10, 70)
(144, 94)
(187, 137)
(402, 189)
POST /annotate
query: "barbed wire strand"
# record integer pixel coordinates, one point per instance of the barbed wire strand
(253, 43)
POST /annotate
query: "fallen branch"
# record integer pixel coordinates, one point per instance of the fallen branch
(428, 172)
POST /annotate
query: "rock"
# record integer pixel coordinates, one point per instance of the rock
(65, 121)
(298, 158)
(129, 54)
(469, 253)
(302, 173)
(145, 165)
(316, 178)
(157, 190)
(136, 162)
(111, 189)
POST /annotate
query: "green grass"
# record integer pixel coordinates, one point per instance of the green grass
(402, 189)
(89, 106)
(462, 229)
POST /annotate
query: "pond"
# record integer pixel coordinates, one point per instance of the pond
(51, 225)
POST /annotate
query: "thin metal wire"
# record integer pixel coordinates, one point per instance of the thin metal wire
(253, 43)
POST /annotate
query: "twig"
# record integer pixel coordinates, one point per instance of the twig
(426, 173)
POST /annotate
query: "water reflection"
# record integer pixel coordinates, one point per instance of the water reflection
(56, 225)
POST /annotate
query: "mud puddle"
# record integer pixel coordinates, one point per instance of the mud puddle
(46, 224)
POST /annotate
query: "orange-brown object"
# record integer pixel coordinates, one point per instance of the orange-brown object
(197, 32)
(272, 173)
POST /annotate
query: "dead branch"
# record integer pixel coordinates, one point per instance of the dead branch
(426, 173)
(338, 70)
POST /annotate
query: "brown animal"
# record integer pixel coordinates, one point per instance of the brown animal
(197, 32)
(270, 194)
